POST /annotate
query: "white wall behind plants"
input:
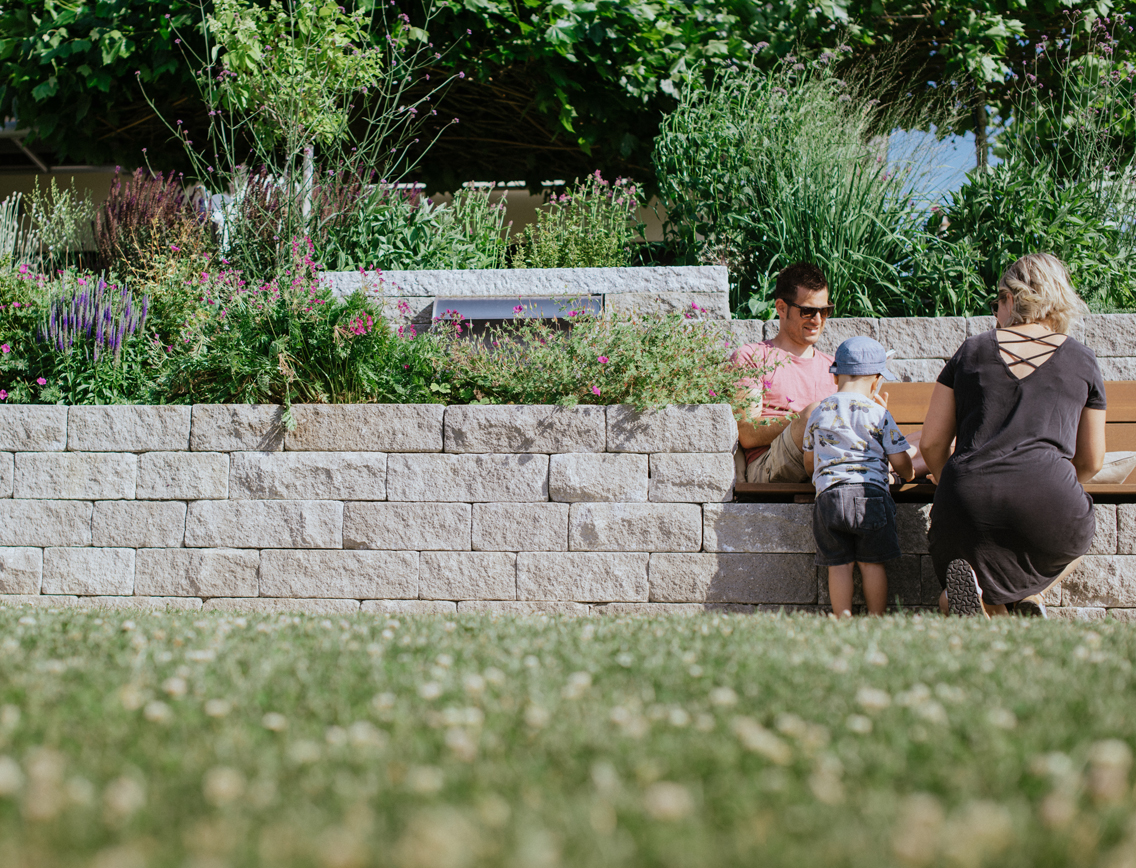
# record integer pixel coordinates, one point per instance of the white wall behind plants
(521, 206)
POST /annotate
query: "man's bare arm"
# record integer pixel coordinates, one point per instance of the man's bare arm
(756, 431)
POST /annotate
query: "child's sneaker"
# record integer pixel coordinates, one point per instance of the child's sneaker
(1030, 607)
(964, 597)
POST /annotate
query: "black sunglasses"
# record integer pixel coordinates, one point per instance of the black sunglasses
(809, 312)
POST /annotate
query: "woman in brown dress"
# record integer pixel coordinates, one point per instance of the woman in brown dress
(1024, 406)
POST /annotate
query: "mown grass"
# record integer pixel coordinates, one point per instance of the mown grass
(209, 740)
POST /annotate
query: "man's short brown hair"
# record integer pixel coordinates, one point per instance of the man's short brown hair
(800, 274)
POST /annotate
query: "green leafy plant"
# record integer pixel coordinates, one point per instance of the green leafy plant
(21, 298)
(63, 221)
(647, 362)
(590, 226)
(395, 228)
(1067, 186)
(759, 169)
(287, 340)
(1005, 212)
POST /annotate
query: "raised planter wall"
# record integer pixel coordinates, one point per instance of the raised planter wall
(420, 508)
(654, 290)
(923, 344)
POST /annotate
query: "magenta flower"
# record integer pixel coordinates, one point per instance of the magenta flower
(595, 390)
(3, 395)
(41, 381)
(4, 348)
(603, 360)
(713, 394)
(518, 310)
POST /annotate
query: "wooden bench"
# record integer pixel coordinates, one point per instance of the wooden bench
(908, 404)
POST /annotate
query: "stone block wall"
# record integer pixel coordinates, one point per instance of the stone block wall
(652, 290)
(424, 508)
(413, 508)
(923, 344)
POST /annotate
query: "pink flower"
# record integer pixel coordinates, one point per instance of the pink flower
(518, 310)
(713, 394)
(595, 390)
(603, 360)
(4, 348)
(41, 381)
(3, 395)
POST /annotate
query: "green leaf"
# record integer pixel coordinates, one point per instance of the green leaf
(46, 89)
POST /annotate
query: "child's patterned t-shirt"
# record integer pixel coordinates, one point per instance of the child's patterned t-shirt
(850, 437)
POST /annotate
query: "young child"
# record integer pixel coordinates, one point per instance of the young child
(849, 442)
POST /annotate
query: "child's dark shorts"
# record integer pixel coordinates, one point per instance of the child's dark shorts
(854, 522)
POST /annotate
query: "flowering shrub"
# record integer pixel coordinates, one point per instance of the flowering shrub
(592, 226)
(287, 340)
(73, 340)
(644, 361)
(218, 336)
(19, 317)
(94, 320)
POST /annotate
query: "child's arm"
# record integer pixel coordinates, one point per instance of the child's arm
(900, 462)
(808, 456)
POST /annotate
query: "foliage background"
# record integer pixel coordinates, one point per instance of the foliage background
(555, 88)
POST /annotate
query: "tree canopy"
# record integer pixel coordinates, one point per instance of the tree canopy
(553, 88)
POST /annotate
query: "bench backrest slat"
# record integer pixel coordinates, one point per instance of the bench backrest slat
(908, 403)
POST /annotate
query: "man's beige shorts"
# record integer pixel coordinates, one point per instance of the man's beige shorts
(783, 461)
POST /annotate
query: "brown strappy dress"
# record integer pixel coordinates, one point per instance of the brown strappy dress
(1009, 502)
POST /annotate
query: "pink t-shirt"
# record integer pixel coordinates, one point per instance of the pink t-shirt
(791, 386)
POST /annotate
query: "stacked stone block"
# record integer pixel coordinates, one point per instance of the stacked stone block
(923, 344)
(652, 290)
(420, 508)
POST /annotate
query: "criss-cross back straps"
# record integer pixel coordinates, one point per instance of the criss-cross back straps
(1018, 358)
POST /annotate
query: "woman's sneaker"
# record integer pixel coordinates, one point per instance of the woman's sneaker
(964, 597)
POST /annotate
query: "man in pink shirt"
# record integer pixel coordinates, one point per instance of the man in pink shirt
(772, 436)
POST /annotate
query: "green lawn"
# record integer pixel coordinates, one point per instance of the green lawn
(137, 739)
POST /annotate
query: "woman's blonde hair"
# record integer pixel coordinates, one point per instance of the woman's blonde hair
(1042, 292)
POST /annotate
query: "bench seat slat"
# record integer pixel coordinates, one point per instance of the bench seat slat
(908, 404)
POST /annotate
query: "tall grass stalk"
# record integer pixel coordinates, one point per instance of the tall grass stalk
(762, 168)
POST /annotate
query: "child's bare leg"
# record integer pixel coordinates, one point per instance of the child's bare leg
(840, 589)
(875, 587)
